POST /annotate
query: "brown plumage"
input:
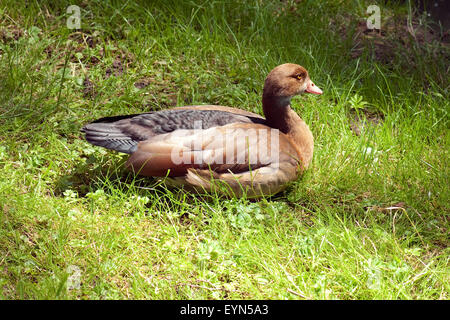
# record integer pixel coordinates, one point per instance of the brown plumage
(211, 147)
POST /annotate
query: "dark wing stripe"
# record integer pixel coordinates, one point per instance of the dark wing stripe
(107, 135)
(123, 133)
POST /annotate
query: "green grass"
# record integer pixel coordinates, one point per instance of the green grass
(358, 225)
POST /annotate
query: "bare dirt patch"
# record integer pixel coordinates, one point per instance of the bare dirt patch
(364, 120)
(396, 36)
(88, 88)
(10, 33)
(144, 82)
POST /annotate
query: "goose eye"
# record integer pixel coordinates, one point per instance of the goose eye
(299, 77)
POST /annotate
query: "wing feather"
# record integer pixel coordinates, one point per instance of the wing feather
(249, 157)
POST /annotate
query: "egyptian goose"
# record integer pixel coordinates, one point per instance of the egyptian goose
(204, 146)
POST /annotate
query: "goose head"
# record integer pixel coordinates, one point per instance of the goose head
(286, 81)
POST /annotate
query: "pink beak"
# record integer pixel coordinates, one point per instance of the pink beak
(312, 88)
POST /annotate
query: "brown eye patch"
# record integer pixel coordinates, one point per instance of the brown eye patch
(299, 76)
